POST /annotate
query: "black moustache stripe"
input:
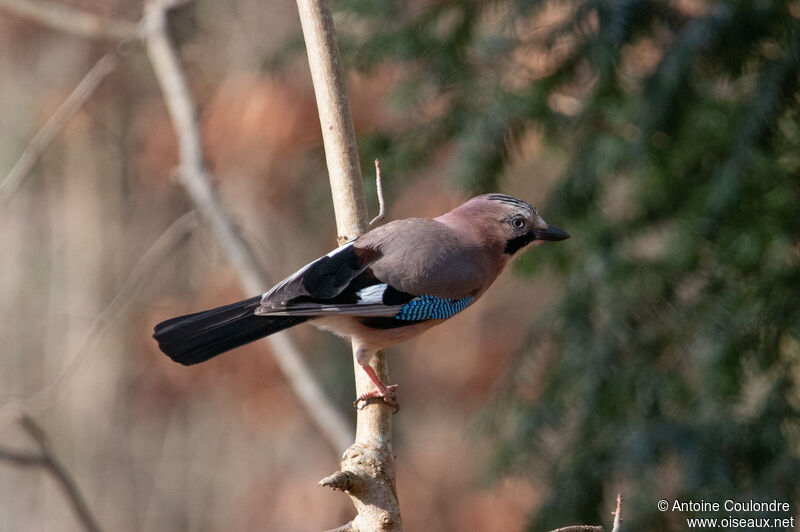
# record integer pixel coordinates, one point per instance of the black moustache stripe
(515, 244)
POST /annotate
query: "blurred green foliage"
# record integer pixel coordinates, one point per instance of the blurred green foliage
(671, 366)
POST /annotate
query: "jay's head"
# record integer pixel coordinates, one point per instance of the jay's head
(507, 221)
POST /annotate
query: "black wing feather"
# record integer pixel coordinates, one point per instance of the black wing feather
(324, 279)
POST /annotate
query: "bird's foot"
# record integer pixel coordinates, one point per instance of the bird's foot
(387, 393)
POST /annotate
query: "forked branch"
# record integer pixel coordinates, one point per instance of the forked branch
(46, 458)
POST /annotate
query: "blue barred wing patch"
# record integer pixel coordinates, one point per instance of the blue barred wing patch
(432, 308)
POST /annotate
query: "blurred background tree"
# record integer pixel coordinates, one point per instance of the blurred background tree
(670, 366)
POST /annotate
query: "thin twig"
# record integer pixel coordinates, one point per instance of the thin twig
(56, 123)
(47, 459)
(617, 514)
(579, 528)
(160, 249)
(379, 190)
(69, 20)
(592, 528)
(21, 458)
(197, 182)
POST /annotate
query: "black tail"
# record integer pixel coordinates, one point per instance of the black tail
(195, 338)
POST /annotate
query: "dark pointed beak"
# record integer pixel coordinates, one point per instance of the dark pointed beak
(552, 233)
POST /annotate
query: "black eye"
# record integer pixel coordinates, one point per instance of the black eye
(518, 222)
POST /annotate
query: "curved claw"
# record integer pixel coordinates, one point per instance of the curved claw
(387, 395)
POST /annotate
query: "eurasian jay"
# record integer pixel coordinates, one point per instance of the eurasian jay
(386, 286)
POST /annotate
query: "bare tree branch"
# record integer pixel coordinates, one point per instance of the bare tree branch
(60, 17)
(56, 123)
(367, 467)
(617, 514)
(338, 134)
(47, 459)
(579, 528)
(197, 180)
(21, 458)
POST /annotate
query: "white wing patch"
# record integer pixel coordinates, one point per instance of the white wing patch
(372, 295)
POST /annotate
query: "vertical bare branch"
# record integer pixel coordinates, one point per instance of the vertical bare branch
(367, 468)
(47, 459)
(338, 134)
(196, 180)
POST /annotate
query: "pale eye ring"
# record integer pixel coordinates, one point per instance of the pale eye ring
(518, 222)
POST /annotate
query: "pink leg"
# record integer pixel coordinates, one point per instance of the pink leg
(384, 392)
